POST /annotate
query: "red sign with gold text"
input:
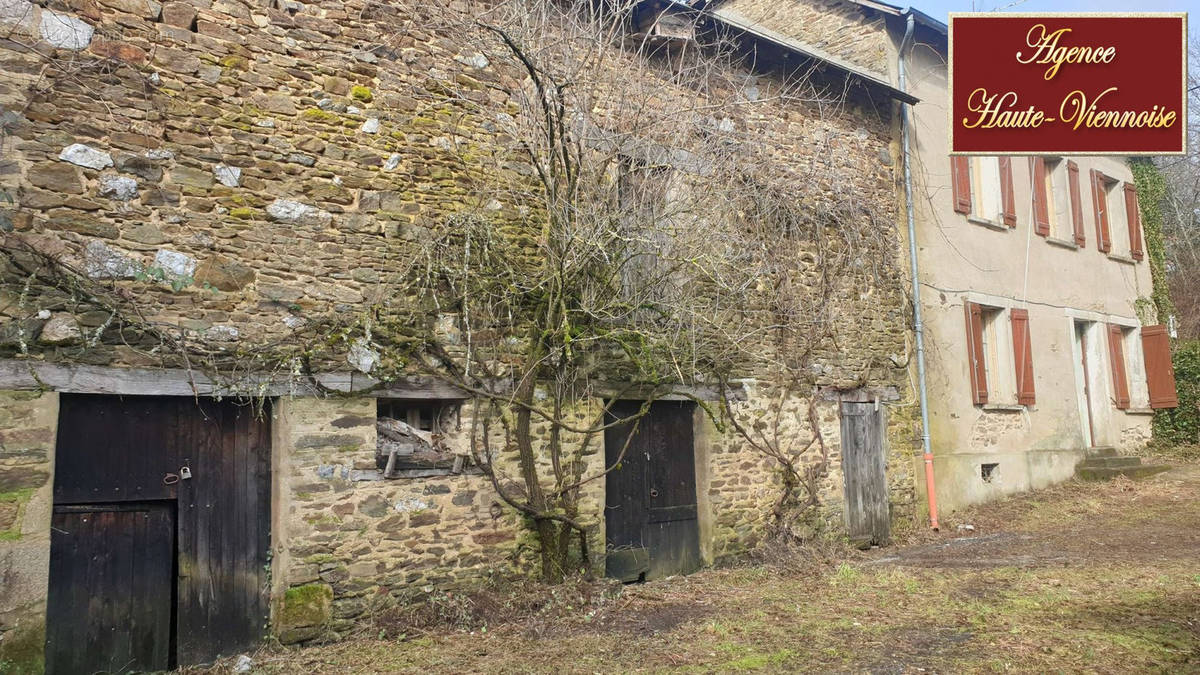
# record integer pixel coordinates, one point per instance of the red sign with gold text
(1062, 84)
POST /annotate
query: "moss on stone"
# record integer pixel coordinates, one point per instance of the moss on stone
(23, 650)
(318, 115)
(361, 93)
(21, 495)
(235, 61)
(243, 212)
(303, 612)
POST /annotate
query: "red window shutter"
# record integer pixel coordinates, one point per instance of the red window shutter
(1076, 203)
(1134, 221)
(1008, 200)
(1041, 201)
(1160, 375)
(1023, 356)
(960, 179)
(1116, 360)
(1100, 209)
(975, 357)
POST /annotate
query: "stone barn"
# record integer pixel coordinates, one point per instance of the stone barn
(310, 308)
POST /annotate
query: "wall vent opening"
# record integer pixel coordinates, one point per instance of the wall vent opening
(988, 471)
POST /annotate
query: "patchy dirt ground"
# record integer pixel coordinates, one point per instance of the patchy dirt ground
(1084, 577)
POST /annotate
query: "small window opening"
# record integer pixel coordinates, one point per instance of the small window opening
(411, 437)
(988, 471)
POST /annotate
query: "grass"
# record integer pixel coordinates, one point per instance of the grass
(1082, 577)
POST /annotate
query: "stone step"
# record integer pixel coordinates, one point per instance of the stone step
(1135, 472)
(1102, 451)
(1109, 462)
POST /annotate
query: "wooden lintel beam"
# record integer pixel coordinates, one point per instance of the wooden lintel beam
(20, 374)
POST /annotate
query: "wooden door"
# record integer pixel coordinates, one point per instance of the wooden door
(650, 510)
(1089, 424)
(111, 583)
(868, 519)
(224, 535)
(116, 452)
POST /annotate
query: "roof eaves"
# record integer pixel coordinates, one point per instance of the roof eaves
(742, 23)
(923, 19)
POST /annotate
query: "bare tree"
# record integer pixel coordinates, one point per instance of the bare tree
(633, 225)
(1181, 213)
(635, 228)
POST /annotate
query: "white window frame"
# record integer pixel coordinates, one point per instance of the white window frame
(1058, 198)
(1118, 218)
(999, 360)
(987, 198)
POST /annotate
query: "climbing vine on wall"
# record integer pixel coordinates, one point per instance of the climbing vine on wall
(1179, 425)
(1151, 190)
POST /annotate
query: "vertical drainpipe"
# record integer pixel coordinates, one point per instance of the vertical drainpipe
(919, 325)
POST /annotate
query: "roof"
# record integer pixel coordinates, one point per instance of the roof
(742, 23)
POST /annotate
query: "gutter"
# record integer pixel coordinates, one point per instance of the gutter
(918, 323)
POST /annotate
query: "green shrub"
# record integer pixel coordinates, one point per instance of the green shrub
(1181, 426)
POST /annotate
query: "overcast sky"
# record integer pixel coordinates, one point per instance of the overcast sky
(939, 9)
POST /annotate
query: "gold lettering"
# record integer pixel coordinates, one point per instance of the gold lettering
(1078, 111)
(1048, 51)
(998, 110)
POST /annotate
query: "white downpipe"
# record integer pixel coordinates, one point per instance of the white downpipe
(918, 323)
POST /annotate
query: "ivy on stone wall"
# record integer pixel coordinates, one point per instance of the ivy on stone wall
(1152, 189)
(1179, 425)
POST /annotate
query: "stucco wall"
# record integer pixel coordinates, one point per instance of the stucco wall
(963, 261)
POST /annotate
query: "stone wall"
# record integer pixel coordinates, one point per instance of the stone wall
(28, 426)
(845, 30)
(374, 542)
(246, 168)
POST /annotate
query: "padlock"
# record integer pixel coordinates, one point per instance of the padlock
(185, 472)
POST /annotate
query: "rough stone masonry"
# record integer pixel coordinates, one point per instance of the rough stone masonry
(241, 167)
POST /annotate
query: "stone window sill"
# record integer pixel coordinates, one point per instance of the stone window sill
(1122, 258)
(988, 223)
(1065, 243)
(1139, 411)
(1003, 407)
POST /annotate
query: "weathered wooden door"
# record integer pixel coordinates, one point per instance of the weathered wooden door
(650, 510)
(120, 456)
(868, 520)
(110, 601)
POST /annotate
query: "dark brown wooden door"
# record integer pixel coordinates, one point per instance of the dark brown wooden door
(224, 535)
(115, 452)
(868, 518)
(650, 511)
(111, 580)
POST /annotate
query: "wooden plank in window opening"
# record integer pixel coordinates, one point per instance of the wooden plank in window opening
(975, 357)
(1076, 203)
(1023, 356)
(1160, 375)
(1116, 360)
